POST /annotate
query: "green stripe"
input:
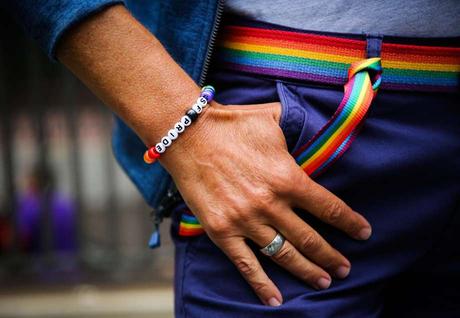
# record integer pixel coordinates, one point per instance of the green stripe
(190, 221)
(420, 73)
(351, 104)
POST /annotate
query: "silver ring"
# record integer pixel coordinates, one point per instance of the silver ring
(274, 246)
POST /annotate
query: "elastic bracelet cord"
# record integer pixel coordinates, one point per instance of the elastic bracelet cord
(206, 96)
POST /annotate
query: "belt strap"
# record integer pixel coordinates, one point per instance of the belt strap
(325, 59)
(336, 136)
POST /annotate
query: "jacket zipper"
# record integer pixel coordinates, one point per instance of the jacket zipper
(173, 195)
(212, 40)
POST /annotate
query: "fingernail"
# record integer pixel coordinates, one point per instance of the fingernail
(365, 233)
(323, 283)
(274, 302)
(342, 271)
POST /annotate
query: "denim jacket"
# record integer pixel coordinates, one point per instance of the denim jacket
(187, 29)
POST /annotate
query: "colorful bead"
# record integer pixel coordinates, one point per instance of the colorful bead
(160, 148)
(208, 95)
(166, 141)
(179, 127)
(197, 108)
(173, 134)
(208, 88)
(208, 92)
(186, 120)
(147, 159)
(152, 153)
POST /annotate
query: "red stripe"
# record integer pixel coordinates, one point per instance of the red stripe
(189, 232)
(403, 49)
(296, 36)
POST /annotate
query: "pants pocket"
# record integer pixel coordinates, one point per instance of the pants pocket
(294, 116)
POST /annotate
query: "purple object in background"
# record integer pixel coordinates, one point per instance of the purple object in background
(62, 214)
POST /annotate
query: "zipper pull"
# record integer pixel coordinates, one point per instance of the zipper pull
(155, 239)
(170, 200)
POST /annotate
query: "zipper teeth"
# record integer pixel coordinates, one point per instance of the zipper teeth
(212, 40)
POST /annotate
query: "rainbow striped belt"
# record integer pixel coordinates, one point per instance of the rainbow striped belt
(333, 60)
(325, 59)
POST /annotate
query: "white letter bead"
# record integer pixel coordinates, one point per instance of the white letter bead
(173, 134)
(179, 127)
(186, 120)
(160, 148)
(166, 141)
(202, 101)
(197, 108)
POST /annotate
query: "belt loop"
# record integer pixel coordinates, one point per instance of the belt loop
(374, 45)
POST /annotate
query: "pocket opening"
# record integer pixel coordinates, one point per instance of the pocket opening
(294, 117)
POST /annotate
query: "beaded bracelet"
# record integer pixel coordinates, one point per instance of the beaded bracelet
(206, 96)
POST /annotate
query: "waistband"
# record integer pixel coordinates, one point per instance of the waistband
(275, 51)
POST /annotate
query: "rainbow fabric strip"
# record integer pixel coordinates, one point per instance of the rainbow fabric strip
(189, 225)
(339, 132)
(325, 59)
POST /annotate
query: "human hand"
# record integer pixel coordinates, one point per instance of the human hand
(234, 172)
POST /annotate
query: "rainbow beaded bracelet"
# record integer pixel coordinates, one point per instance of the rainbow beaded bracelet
(206, 96)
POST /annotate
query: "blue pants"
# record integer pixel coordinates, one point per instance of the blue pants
(402, 173)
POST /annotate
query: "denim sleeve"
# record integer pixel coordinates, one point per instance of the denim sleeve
(47, 20)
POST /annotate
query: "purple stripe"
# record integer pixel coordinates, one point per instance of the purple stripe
(287, 74)
(332, 80)
(419, 88)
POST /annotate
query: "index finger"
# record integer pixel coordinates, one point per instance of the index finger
(330, 209)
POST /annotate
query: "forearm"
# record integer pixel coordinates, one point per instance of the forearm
(129, 70)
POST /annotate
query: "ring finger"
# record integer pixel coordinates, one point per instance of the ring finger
(291, 259)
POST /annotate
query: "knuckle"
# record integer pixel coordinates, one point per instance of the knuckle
(281, 174)
(262, 200)
(259, 287)
(310, 275)
(247, 267)
(244, 216)
(333, 212)
(285, 255)
(218, 227)
(309, 242)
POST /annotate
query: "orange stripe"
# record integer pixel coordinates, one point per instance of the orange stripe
(418, 58)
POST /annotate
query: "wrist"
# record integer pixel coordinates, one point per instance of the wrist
(182, 124)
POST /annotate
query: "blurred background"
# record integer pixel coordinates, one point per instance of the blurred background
(73, 229)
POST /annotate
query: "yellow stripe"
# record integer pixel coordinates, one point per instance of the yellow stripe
(190, 226)
(339, 58)
(362, 65)
(342, 127)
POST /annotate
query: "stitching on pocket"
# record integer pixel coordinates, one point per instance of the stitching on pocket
(294, 115)
(284, 104)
